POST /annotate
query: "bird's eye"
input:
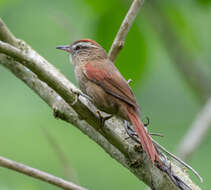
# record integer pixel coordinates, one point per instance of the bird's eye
(77, 47)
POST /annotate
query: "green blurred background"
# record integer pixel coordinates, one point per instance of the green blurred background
(161, 90)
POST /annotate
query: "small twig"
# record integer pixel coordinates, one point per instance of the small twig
(178, 159)
(68, 170)
(6, 35)
(119, 40)
(157, 134)
(190, 70)
(35, 173)
(196, 133)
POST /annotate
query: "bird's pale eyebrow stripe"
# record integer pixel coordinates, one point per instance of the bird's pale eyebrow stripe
(84, 44)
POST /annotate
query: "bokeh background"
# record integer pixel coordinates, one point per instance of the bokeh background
(164, 33)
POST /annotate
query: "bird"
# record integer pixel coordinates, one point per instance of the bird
(99, 79)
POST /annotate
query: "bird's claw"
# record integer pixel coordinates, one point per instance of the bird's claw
(103, 119)
(85, 96)
(79, 93)
(131, 133)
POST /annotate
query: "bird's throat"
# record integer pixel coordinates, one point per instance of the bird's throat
(70, 58)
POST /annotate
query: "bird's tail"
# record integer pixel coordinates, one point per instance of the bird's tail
(145, 139)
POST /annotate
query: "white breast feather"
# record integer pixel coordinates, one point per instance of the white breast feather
(70, 57)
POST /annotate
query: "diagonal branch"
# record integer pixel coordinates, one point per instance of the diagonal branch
(119, 40)
(35, 173)
(6, 35)
(197, 132)
(189, 69)
(62, 96)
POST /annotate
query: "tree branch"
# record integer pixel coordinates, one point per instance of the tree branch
(62, 96)
(6, 35)
(198, 130)
(182, 59)
(35, 173)
(119, 40)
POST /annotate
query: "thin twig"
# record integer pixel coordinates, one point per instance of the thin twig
(35, 173)
(189, 69)
(6, 35)
(196, 133)
(68, 170)
(178, 160)
(119, 40)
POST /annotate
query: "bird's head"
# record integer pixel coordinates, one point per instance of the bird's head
(84, 50)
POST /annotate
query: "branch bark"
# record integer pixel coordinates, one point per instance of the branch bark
(35, 173)
(119, 40)
(62, 96)
(6, 35)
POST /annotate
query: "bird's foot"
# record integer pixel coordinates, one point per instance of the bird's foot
(84, 95)
(131, 132)
(79, 93)
(103, 119)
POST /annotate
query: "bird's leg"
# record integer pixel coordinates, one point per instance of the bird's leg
(102, 119)
(79, 93)
(85, 96)
(130, 131)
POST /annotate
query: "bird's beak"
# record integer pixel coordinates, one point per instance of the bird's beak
(65, 48)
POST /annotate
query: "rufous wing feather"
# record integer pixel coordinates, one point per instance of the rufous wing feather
(110, 79)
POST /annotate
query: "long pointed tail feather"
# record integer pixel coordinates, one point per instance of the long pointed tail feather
(145, 139)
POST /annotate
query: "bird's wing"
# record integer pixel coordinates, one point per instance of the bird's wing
(110, 79)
